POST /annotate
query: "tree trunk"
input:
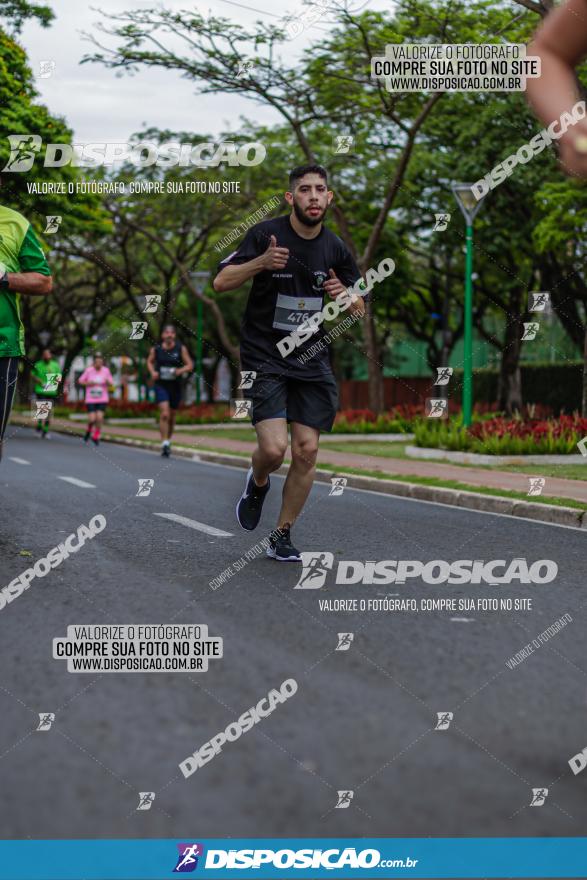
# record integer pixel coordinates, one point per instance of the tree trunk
(510, 377)
(584, 396)
(375, 380)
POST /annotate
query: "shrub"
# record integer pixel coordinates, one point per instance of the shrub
(505, 436)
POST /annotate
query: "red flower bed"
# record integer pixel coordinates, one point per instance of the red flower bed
(563, 426)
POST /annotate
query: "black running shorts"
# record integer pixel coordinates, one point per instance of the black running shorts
(311, 402)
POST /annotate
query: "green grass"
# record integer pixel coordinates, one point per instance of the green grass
(456, 484)
(247, 434)
(381, 450)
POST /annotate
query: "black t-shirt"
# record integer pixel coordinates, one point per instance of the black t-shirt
(280, 301)
(167, 361)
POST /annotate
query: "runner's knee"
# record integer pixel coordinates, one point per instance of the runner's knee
(273, 452)
(304, 452)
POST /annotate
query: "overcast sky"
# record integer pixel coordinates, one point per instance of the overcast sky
(101, 106)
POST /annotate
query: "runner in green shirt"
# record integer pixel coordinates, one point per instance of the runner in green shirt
(47, 376)
(23, 271)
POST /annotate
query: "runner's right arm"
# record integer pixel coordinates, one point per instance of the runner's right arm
(151, 364)
(234, 275)
(561, 43)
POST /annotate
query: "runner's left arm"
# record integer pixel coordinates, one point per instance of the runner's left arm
(342, 276)
(188, 364)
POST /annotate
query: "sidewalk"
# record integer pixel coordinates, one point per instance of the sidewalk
(494, 479)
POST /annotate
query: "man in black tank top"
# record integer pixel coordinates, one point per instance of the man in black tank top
(168, 361)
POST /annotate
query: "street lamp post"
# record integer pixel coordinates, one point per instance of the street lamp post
(469, 206)
(140, 304)
(200, 279)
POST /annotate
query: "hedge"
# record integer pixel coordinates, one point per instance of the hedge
(558, 386)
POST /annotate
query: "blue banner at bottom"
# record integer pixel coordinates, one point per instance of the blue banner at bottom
(271, 858)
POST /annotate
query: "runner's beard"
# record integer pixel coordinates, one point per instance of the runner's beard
(303, 218)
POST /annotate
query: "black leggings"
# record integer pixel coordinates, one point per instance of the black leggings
(8, 377)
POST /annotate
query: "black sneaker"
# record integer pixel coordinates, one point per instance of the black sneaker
(281, 548)
(165, 450)
(250, 505)
(86, 436)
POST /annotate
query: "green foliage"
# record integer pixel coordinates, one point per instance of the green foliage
(16, 12)
(556, 386)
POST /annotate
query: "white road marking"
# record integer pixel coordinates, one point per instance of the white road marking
(75, 482)
(194, 524)
(462, 619)
(18, 460)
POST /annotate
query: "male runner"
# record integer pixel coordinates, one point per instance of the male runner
(23, 270)
(168, 361)
(294, 262)
(561, 43)
(47, 376)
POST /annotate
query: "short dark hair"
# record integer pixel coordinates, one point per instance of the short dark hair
(168, 326)
(302, 170)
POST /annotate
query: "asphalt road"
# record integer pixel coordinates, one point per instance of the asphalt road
(361, 720)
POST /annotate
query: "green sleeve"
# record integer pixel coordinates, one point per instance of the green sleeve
(30, 256)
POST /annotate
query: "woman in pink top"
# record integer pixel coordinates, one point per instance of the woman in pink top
(98, 381)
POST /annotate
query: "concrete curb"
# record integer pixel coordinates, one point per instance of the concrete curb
(563, 516)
